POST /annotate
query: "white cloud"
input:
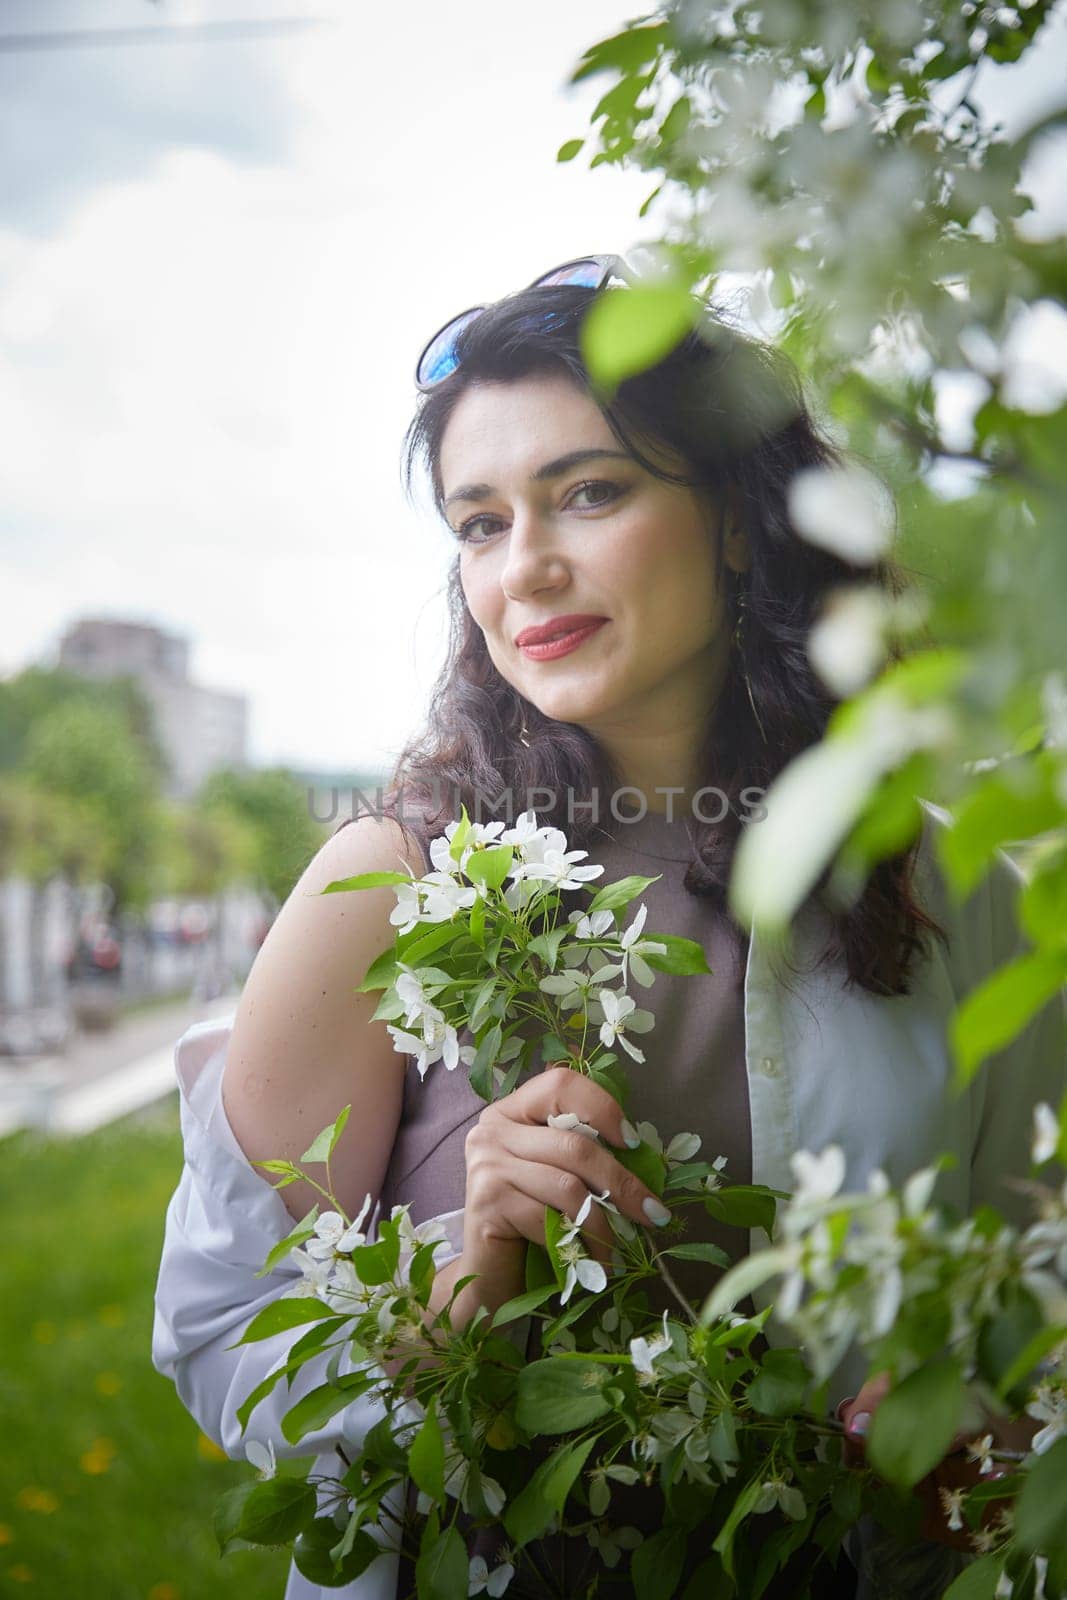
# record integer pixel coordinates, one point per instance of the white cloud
(205, 376)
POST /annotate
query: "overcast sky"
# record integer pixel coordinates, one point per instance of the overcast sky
(218, 262)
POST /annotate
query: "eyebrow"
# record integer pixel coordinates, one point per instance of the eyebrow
(551, 469)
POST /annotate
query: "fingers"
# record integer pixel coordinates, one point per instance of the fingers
(575, 1155)
(560, 1089)
(544, 1185)
(857, 1414)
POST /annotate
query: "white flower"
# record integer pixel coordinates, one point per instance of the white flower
(846, 646)
(681, 1147)
(917, 1191)
(570, 1119)
(591, 927)
(714, 1178)
(316, 1274)
(345, 1292)
(407, 913)
(580, 1267)
(611, 1542)
(457, 1484)
(635, 950)
(777, 1491)
(842, 509)
(440, 1041)
(817, 1177)
(262, 1457)
(979, 1450)
(644, 1351)
(952, 1502)
(573, 986)
(1046, 1135)
(1051, 1408)
(493, 1583)
(557, 869)
(526, 832)
(333, 1235)
(620, 1013)
(444, 897)
(418, 1003)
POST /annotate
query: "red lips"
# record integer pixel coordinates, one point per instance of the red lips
(556, 627)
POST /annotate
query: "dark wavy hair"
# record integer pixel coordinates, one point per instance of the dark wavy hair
(734, 411)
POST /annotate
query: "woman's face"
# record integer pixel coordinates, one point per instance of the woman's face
(542, 536)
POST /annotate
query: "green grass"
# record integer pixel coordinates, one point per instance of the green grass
(107, 1487)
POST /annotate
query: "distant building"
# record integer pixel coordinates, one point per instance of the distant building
(199, 729)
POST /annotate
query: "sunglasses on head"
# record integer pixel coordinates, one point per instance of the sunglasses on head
(439, 357)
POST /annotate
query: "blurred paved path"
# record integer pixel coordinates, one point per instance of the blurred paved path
(101, 1076)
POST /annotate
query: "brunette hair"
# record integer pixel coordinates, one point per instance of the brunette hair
(733, 409)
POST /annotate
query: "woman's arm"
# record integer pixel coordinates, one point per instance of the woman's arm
(301, 1047)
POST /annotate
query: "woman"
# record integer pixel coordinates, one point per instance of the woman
(657, 528)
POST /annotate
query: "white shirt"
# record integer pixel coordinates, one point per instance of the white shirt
(825, 1064)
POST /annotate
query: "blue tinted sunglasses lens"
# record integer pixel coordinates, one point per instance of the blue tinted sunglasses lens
(589, 273)
(439, 358)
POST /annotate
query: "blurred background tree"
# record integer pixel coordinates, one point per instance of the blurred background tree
(837, 159)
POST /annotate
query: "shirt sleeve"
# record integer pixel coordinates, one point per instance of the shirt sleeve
(221, 1224)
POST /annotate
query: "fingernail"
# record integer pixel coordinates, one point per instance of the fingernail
(860, 1423)
(630, 1135)
(655, 1212)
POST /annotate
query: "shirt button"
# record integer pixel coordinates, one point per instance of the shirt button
(770, 1066)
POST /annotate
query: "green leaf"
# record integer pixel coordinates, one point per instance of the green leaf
(913, 1427)
(699, 1252)
(556, 1396)
(426, 1455)
(682, 955)
(626, 331)
(781, 1385)
(1001, 1339)
(993, 1014)
(491, 865)
(289, 1312)
(302, 1231)
(546, 945)
(568, 151)
(365, 880)
(316, 1408)
(228, 1513)
(1030, 1357)
(312, 1554)
(646, 1163)
(322, 1147)
(748, 1274)
(723, 1544)
(442, 1569)
(623, 52)
(272, 1512)
(1041, 1509)
(380, 973)
(1017, 803)
(614, 895)
(529, 1514)
(741, 1205)
(521, 1305)
(372, 1265)
(978, 1581)
(656, 1565)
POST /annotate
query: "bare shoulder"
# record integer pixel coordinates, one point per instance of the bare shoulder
(303, 1042)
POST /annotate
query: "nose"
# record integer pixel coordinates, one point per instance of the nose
(534, 561)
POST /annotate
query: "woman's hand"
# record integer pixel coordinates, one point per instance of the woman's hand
(517, 1165)
(940, 1490)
